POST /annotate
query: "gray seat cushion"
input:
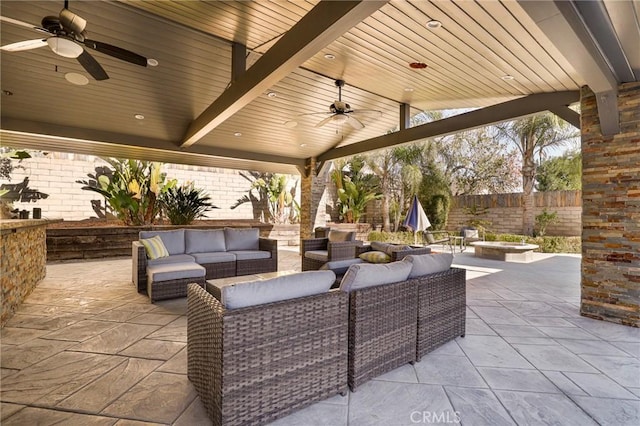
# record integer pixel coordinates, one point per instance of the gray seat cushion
(241, 239)
(204, 240)
(214, 257)
(321, 255)
(176, 258)
(251, 254)
(276, 289)
(173, 240)
(174, 271)
(371, 274)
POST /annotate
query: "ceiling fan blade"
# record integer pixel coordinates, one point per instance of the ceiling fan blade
(92, 66)
(354, 122)
(24, 45)
(325, 121)
(23, 24)
(117, 52)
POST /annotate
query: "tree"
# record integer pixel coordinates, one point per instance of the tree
(560, 173)
(355, 188)
(533, 136)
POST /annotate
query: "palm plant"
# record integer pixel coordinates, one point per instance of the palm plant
(184, 204)
(533, 136)
(355, 189)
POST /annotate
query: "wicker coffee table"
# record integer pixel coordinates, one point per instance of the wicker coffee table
(215, 286)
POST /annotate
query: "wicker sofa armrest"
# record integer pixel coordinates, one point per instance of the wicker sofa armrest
(341, 250)
(441, 309)
(314, 244)
(268, 244)
(139, 267)
(382, 335)
(401, 254)
(256, 364)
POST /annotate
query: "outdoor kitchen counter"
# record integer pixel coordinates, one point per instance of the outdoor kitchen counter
(23, 256)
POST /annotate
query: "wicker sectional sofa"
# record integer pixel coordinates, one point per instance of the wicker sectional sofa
(197, 255)
(253, 364)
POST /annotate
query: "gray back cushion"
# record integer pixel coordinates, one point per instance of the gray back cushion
(272, 290)
(241, 239)
(172, 240)
(204, 240)
(388, 247)
(337, 236)
(365, 275)
(425, 264)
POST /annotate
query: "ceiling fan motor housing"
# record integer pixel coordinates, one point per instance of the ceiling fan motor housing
(52, 24)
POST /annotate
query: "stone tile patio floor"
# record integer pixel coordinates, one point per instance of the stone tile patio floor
(85, 348)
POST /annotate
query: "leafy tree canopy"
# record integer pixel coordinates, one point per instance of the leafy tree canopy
(560, 173)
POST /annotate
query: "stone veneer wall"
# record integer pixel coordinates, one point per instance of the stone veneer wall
(611, 211)
(313, 200)
(56, 174)
(24, 256)
(504, 211)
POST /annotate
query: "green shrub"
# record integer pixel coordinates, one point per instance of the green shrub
(543, 220)
(547, 244)
(184, 204)
(392, 237)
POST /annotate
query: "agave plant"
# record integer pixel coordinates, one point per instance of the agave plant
(184, 204)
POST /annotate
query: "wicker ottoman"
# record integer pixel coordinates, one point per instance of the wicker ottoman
(169, 280)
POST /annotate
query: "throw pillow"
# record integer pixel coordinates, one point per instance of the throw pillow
(154, 247)
(375, 257)
(471, 233)
(425, 264)
(337, 236)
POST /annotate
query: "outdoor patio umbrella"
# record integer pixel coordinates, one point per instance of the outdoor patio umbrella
(416, 219)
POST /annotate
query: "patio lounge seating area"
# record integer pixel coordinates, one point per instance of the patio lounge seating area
(528, 356)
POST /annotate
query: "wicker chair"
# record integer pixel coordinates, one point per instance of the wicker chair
(253, 365)
(441, 309)
(328, 250)
(436, 237)
(382, 330)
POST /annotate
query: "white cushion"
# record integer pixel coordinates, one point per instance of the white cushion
(204, 240)
(425, 264)
(241, 239)
(470, 233)
(173, 240)
(276, 289)
(174, 271)
(370, 275)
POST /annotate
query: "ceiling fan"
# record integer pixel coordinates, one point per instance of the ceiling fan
(66, 36)
(341, 112)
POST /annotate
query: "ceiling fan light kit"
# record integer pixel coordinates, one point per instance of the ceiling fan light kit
(64, 47)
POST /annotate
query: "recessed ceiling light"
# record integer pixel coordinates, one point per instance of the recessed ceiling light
(7, 93)
(302, 145)
(433, 24)
(237, 134)
(507, 77)
(408, 89)
(329, 56)
(139, 117)
(290, 124)
(77, 79)
(272, 94)
(152, 62)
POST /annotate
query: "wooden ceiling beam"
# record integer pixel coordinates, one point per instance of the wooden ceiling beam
(327, 21)
(481, 117)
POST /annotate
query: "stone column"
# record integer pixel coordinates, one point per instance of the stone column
(313, 197)
(611, 211)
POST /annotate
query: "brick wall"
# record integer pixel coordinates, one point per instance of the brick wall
(504, 211)
(55, 174)
(611, 211)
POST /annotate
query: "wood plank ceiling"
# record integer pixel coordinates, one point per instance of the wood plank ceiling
(477, 45)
